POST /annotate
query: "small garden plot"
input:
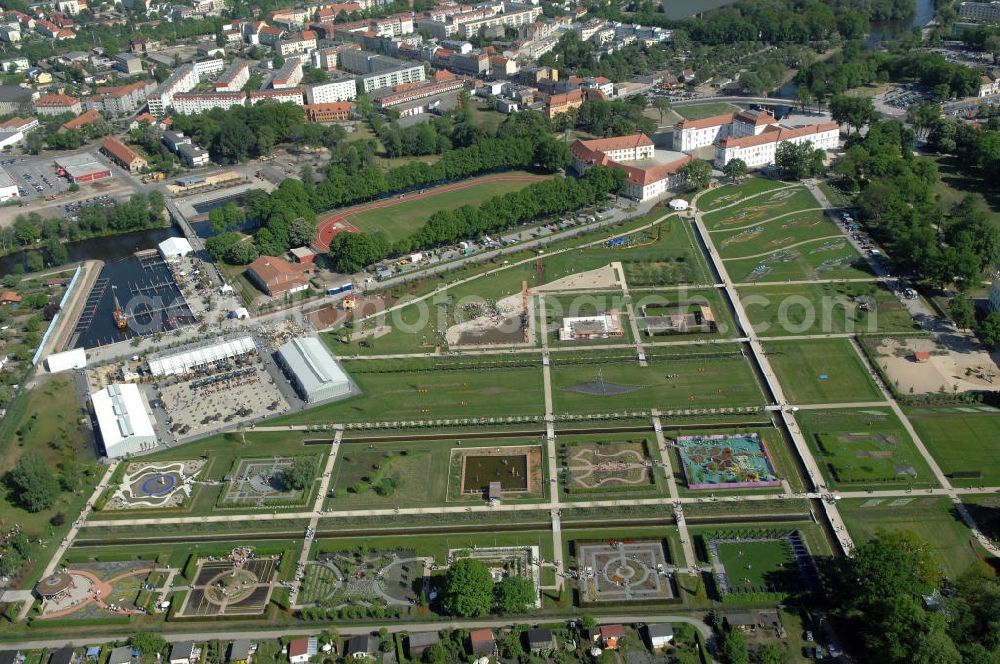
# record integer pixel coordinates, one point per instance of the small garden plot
(821, 371)
(504, 472)
(726, 461)
(238, 585)
(760, 208)
(369, 577)
(389, 475)
(795, 234)
(319, 582)
(274, 481)
(153, 485)
(504, 562)
(586, 318)
(863, 447)
(759, 562)
(782, 309)
(718, 377)
(630, 571)
(607, 466)
(434, 389)
(685, 317)
(963, 440)
(730, 194)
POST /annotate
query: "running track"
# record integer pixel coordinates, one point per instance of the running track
(329, 226)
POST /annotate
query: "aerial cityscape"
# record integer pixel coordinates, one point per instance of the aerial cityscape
(516, 331)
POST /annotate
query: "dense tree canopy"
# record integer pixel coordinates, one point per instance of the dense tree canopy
(468, 589)
(34, 486)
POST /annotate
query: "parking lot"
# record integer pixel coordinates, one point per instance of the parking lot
(72, 210)
(907, 96)
(35, 178)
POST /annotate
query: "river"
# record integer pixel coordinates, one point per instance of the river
(108, 249)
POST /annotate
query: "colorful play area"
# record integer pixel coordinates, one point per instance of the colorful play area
(724, 461)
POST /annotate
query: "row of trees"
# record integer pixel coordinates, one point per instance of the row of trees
(139, 212)
(351, 252)
(896, 200)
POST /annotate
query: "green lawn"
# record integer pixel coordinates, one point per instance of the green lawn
(861, 448)
(699, 111)
(825, 259)
(963, 440)
(664, 254)
(399, 220)
(759, 209)
(434, 389)
(782, 310)
(691, 378)
(932, 518)
(779, 240)
(759, 566)
(729, 194)
(821, 371)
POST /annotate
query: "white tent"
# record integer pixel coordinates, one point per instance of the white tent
(678, 204)
(181, 363)
(175, 247)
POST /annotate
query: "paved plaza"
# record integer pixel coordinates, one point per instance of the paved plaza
(623, 571)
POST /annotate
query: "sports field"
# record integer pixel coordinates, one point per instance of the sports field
(730, 194)
(698, 378)
(860, 448)
(767, 566)
(821, 371)
(963, 440)
(759, 209)
(438, 390)
(401, 215)
(932, 518)
(792, 309)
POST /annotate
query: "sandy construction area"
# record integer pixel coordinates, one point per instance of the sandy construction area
(602, 277)
(499, 327)
(972, 370)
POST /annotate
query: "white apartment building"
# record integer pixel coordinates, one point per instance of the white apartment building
(234, 78)
(289, 96)
(513, 16)
(393, 77)
(693, 134)
(183, 79)
(119, 100)
(644, 181)
(980, 11)
(343, 89)
(191, 103)
(304, 42)
(209, 66)
(289, 76)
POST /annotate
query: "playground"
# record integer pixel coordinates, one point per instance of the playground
(759, 561)
(100, 589)
(623, 571)
(518, 469)
(259, 482)
(726, 461)
(238, 585)
(401, 215)
(863, 447)
(606, 465)
(369, 578)
(506, 561)
(155, 485)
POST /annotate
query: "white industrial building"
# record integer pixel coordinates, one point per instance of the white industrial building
(70, 359)
(123, 420)
(182, 363)
(175, 247)
(313, 369)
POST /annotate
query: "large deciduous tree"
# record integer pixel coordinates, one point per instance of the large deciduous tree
(468, 589)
